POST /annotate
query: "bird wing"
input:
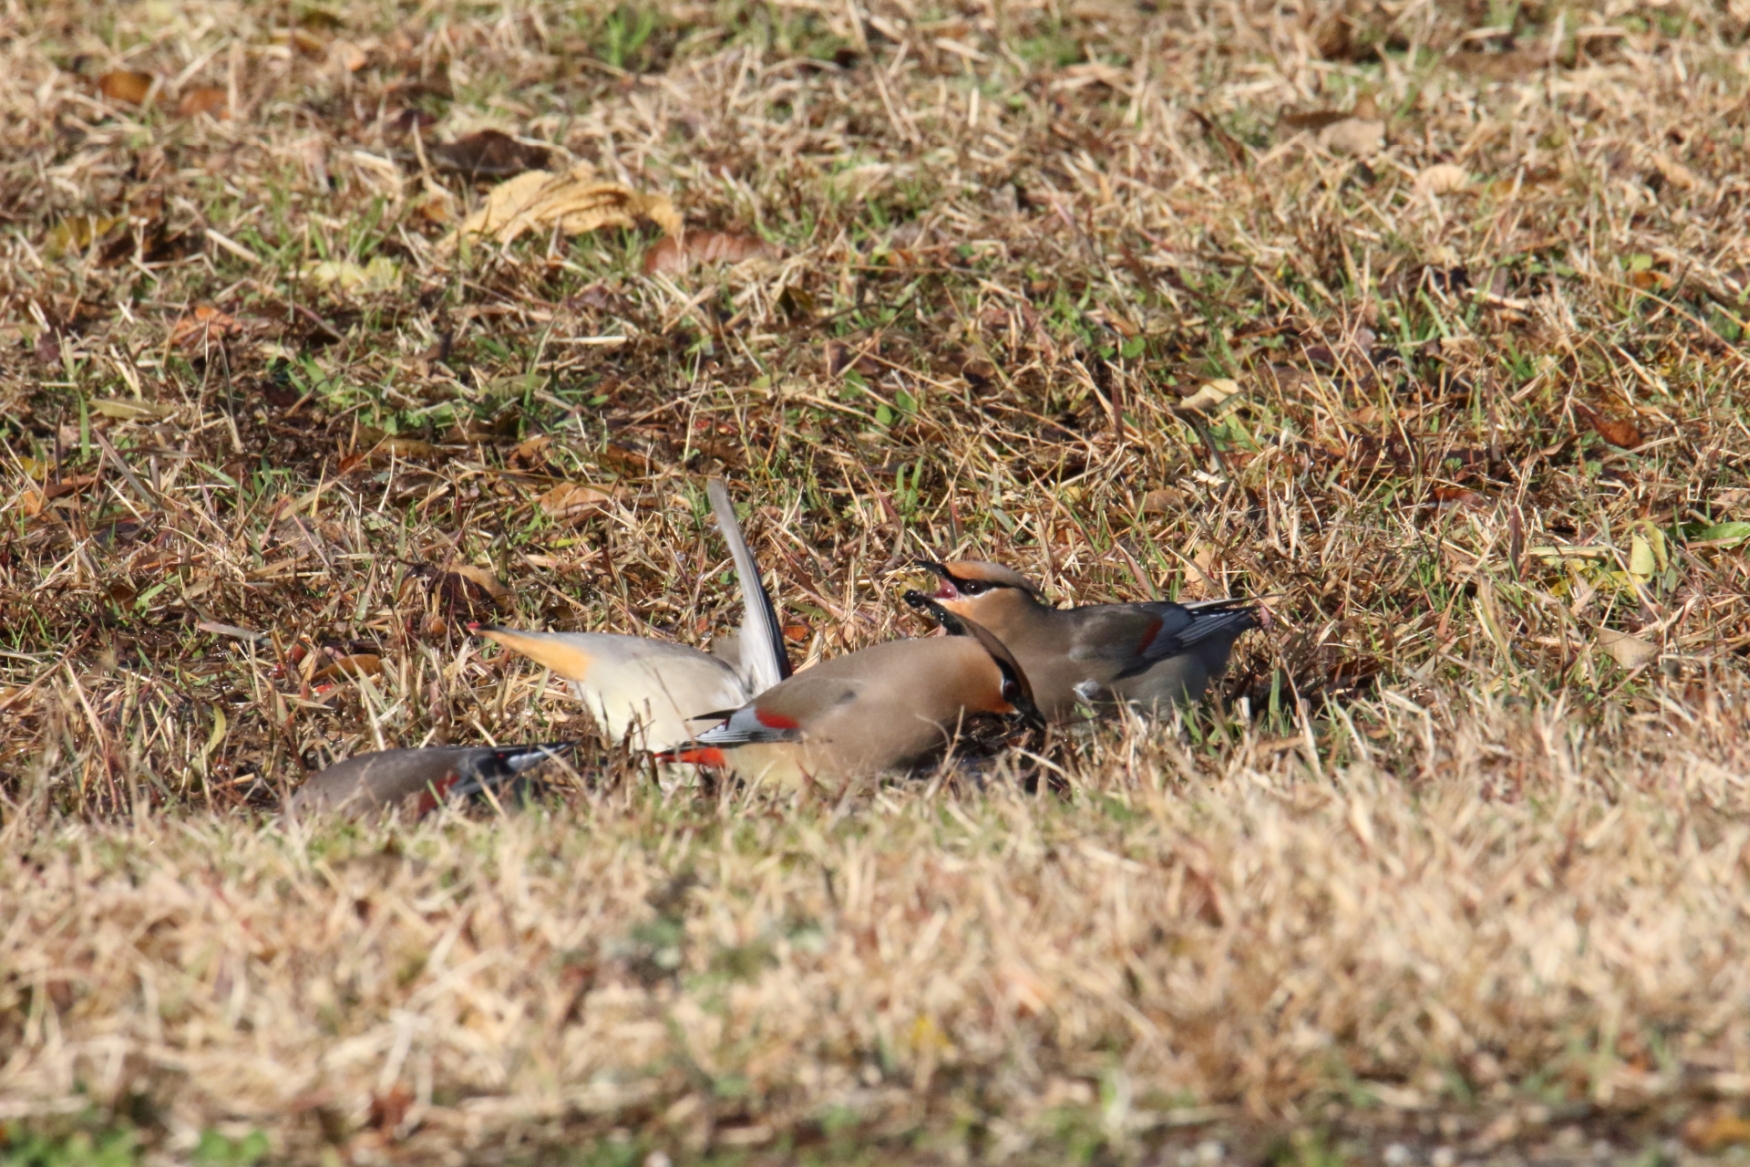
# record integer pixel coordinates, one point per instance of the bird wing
(1136, 636)
(781, 715)
(763, 662)
(498, 767)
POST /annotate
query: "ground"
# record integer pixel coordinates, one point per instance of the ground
(1423, 320)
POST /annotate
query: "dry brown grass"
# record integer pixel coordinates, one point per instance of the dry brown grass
(1457, 862)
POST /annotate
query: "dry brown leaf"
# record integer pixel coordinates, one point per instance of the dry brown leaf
(208, 99)
(1162, 501)
(488, 154)
(358, 664)
(1674, 172)
(481, 577)
(1621, 432)
(395, 446)
(575, 202)
(571, 501)
(1507, 66)
(125, 85)
(202, 326)
(1631, 652)
(674, 256)
(1709, 1134)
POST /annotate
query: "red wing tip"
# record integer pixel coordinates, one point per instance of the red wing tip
(776, 720)
(696, 756)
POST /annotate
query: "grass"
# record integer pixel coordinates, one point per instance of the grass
(1453, 867)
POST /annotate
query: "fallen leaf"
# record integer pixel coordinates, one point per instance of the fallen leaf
(465, 592)
(481, 578)
(1674, 172)
(571, 501)
(214, 100)
(78, 232)
(488, 154)
(48, 347)
(125, 85)
(1442, 178)
(30, 503)
(395, 446)
(1506, 66)
(1452, 496)
(382, 274)
(1642, 562)
(1211, 395)
(389, 1110)
(1721, 535)
(1631, 652)
(69, 485)
(1353, 137)
(1617, 431)
(358, 664)
(1708, 1134)
(121, 409)
(576, 202)
(673, 256)
(203, 326)
(1162, 501)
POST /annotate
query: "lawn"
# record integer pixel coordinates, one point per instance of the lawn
(1423, 320)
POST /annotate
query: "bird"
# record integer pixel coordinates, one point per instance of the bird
(882, 708)
(416, 779)
(1152, 655)
(653, 689)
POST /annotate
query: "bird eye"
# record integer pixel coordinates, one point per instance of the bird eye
(1011, 690)
(972, 587)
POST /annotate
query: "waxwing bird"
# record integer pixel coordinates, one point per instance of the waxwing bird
(656, 687)
(1151, 654)
(879, 709)
(416, 779)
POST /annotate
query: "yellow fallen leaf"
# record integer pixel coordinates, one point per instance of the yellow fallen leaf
(576, 202)
(121, 409)
(78, 232)
(382, 274)
(1631, 652)
(1211, 395)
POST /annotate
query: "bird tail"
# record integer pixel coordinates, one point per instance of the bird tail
(763, 660)
(505, 766)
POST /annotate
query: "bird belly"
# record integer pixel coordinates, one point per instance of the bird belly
(1173, 681)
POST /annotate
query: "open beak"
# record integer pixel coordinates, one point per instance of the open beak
(946, 590)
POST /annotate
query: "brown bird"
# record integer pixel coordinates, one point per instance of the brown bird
(657, 688)
(1150, 654)
(883, 708)
(416, 779)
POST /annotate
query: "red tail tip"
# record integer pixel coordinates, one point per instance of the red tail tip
(696, 756)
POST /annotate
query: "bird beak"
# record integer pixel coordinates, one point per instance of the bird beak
(947, 591)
